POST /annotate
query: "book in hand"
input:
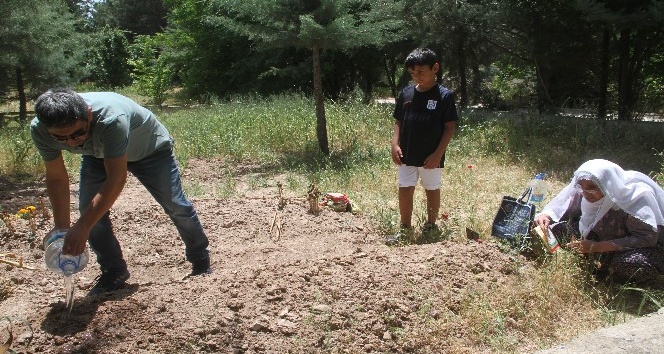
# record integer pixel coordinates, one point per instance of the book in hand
(548, 239)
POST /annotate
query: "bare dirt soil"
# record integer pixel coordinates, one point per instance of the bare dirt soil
(284, 281)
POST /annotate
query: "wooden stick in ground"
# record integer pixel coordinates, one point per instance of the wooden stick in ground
(276, 224)
(313, 196)
(18, 263)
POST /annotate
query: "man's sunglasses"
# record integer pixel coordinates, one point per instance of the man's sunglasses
(73, 136)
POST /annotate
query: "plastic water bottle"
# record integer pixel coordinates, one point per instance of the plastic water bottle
(539, 189)
(63, 263)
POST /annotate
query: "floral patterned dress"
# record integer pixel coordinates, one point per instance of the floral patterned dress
(641, 255)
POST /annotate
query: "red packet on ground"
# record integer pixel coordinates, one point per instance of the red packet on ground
(337, 201)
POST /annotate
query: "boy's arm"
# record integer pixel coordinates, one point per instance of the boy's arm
(396, 149)
(433, 160)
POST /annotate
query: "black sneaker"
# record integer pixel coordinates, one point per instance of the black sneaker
(430, 228)
(200, 267)
(431, 233)
(109, 281)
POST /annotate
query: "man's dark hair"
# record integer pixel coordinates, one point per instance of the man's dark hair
(61, 107)
(421, 56)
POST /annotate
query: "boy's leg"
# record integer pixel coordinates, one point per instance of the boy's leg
(431, 182)
(405, 232)
(160, 174)
(406, 205)
(102, 240)
(408, 176)
(433, 205)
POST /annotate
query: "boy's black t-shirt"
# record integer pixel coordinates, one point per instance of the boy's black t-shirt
(423, 116)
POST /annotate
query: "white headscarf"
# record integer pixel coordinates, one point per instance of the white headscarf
(631, 191)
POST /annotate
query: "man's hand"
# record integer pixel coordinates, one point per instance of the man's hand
(76, 240)
(584, 246)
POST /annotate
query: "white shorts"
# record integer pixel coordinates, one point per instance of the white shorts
(430, 177)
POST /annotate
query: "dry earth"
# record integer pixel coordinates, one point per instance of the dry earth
(284, 281)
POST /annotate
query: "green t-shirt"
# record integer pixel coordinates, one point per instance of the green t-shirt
(119, 126)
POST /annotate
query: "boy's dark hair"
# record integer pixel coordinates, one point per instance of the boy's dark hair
(61, 107)
(421, 56)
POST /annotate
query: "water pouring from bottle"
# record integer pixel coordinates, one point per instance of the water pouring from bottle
(64, 264)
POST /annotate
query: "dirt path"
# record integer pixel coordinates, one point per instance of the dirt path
(639, 336)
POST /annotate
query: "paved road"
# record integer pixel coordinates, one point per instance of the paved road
(639, 336)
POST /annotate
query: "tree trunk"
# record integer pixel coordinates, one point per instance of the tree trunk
(635, 48)
(475, 80)
(321, 122)
(368, 90)
(624, 76)
(544, 102)
(604, 74)
(461, 68)
(22, 100)
(391, 72)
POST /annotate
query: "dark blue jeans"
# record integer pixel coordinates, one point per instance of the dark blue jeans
(159, 173)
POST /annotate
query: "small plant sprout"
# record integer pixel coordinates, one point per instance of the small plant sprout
(7, 219)
(46, 215)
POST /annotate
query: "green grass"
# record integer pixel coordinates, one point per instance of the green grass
(492, 155)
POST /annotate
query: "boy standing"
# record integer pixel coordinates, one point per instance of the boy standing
(115, 135)
(425, 120)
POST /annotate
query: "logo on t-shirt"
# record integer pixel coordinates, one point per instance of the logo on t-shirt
(431, 105)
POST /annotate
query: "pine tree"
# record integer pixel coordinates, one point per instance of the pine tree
(632, 34)
(40, 47)
(313, 24)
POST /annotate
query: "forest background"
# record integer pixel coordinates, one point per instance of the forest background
(605, 56)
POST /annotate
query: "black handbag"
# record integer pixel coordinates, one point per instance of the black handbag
(514, 218)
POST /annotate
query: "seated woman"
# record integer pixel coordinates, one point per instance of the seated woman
(615, 214)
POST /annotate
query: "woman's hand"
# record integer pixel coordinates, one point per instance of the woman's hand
(543, 221)
(584, 246)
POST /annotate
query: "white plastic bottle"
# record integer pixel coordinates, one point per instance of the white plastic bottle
(539, 187)
(63, 263)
